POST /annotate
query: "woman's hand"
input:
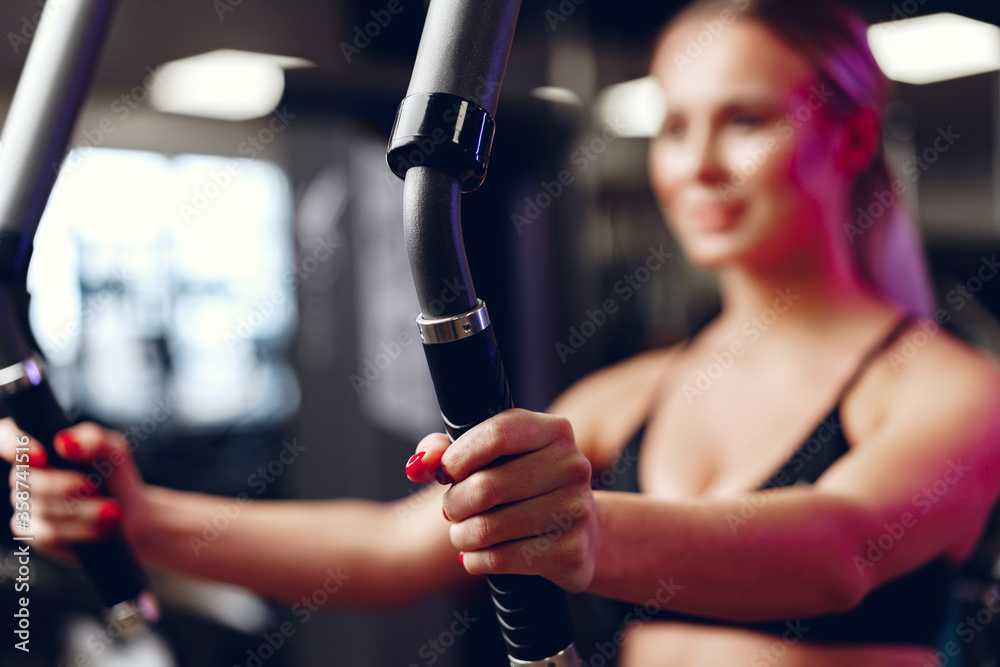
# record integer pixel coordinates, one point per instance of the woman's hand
(521, 501)
(64, 505)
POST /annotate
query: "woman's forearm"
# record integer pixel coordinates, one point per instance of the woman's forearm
(781, 554)
(363, 553)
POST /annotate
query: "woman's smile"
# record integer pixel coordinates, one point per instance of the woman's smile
(716, 217)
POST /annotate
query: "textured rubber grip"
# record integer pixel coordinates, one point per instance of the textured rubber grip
(471, 387)
(110, 563)
(534, 616)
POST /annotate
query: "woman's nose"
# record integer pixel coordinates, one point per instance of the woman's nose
(707, 165)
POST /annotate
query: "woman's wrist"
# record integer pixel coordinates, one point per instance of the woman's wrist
(606, 556)
(147, 515)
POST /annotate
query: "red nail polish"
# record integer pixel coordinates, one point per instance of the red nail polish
(70, 446)
(461, 558)
(413, 465)
(443, 476)
(109, 518)
(38, 459)
(445, 515)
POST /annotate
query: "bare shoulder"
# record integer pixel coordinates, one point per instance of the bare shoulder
(929, 376)
(927, 364)
(925, 418)
(606, 406)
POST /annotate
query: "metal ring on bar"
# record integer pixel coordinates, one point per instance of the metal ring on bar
(28, 373)
(449, 329)
(568, 657)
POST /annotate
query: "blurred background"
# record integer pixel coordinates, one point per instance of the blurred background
(220, 273)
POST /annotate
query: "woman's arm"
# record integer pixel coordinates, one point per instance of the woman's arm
(924, 476)
(918, 487)
(373, 553)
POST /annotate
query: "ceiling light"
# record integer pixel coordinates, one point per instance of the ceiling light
(224, 84)
(635, 105)
(556, 95)
(933, 48)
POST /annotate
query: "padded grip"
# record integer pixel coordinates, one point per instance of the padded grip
(471, 387)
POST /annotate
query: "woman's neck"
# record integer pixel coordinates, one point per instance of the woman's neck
(812, 289)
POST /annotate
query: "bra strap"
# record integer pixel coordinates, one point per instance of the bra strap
(890, 338)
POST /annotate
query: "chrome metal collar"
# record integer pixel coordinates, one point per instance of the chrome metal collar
(568, 657)
(449, 329)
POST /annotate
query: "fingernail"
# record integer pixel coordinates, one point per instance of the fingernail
(38, 459)
(109, 518)
(413, 465)
(445, 515)
(442, 476)
(461, 558)
(70, 446)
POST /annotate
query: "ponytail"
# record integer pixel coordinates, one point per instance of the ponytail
(889, 252)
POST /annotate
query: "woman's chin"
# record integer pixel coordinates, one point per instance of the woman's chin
(713, 254)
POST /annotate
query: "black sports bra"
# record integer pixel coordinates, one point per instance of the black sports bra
(908, 610)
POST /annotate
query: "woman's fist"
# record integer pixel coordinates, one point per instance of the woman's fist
(63, 507)
(521, 501)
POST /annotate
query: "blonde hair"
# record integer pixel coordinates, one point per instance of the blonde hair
(887, 247)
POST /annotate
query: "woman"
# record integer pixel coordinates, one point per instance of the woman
(771, 140)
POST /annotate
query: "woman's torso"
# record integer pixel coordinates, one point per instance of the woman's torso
(707, 435)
